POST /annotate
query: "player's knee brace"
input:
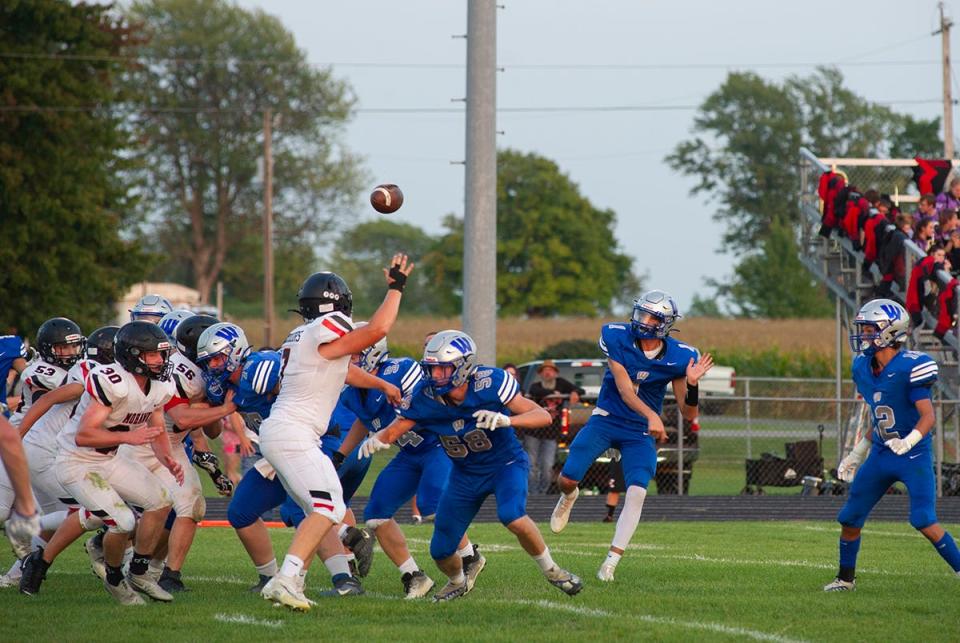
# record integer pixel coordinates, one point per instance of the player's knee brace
(374, 523)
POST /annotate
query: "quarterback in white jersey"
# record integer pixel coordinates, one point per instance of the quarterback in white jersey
(122, 404)
(315, 359)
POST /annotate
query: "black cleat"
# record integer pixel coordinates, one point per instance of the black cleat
(34, 572)
(171, 581)
(260, 584)
(360, 542)
(349, 586)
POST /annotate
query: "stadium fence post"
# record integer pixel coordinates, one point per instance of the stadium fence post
(746, 409)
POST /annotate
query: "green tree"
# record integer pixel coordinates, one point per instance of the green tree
(745, 140)
(210, 71)
(62, 201)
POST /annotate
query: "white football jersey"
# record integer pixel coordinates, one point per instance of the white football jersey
(44, 431)
(189, 387)
(309, 384)
(130, 407)
(38, 378)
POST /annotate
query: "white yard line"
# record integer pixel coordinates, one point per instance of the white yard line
(243, 619)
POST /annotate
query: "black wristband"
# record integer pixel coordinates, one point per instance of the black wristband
(692, 398)
(399, 279)
(338, 459)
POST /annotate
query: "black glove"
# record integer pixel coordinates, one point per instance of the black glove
(337, 459)
(206, 460)
(399, 279)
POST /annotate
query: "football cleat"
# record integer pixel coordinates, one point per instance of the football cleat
(564, 581)
(256, 589)
(171, 581)
(34, 572)
(417, 519)
(94, 548)
(561, 513)
(348, 586)
(360, 542)
(605, 573)
(123, 593)
(416, 584)
(283, 590)
(450, 591)
(472, 566)
(840, 586)
(146, 585)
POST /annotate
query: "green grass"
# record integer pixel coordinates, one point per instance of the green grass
(682, 581)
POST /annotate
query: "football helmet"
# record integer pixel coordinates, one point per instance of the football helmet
(151, 308)
(139, 337)
(889, 323)
(56, 334)
(171, 320)
(100, 344)
(370, 358)
(188, 332)
(449, 347)
(662, 307)
(224, 339)
(322, 293)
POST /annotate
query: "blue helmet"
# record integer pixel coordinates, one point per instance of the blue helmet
(889, 323)
(373, 356)
(150, 308)
(169, 322)
(449, 347)
(664, 310)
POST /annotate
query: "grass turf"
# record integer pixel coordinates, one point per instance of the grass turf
(681, 581)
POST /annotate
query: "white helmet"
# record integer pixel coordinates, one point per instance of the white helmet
(890, 321)
(225, 339)
(150, 308)
(169, 322)
(370, 358)
(659, 304)
(449, 347)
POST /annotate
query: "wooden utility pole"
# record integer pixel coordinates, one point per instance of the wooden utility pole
(944, 31)
(267, 228)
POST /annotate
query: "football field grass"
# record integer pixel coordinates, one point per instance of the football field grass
(702, 581)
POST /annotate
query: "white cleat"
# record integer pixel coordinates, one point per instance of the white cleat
(96, 558)
(7, 580)
(605, 573)
(123, 593)
(284, 590)
(145, 584)
(561, 513)
(840, 586)
(416, 584)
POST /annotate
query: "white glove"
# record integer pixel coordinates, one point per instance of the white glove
(848, 466)
(491, 420)
(371, 446)
(20, 530)
(902, 445)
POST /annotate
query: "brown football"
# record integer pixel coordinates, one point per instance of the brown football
(386, 198)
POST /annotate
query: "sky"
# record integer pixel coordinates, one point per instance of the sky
(561, 53)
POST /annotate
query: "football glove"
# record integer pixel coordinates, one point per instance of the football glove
(902, 445)
(847, 468)
(20, 530)
(208, 461)
(491, 420)
(337, 459)
(371, 446)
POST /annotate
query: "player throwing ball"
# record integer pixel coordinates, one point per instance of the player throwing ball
(642, 359)
(896, 384)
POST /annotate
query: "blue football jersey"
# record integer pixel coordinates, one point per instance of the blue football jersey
(471, 449)
(256, 391)
(650, 376)
(11, 348)
(376, 412)
(893, 393)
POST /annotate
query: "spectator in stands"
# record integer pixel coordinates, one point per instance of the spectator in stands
(953, 251)
(512, 369)
(924, 233)
(885, 208)
(541, 444)
(926, 207)
(950, 200)
(947, 222)
(904, 223)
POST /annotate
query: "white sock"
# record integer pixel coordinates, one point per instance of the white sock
(342, 529)
(629, 516)
(459, 578)
(50, 522)
(156, 565)
(612, 559)
(268, 569)
(36, 542)
(466, 551)
(545, 560)
(337, 564)
(408, 566)
(291, 566)
(350, 556)
(572, 494)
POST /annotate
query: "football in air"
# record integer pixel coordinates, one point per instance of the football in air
(386, 198)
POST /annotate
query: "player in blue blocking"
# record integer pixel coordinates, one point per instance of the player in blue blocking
(642, 359)
(896, 384)
(466, 405)
(13, 355)
(254, 379)
(422, 468)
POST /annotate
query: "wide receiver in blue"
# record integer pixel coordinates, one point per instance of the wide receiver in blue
(896, 384)
(467, 406)
(642, 359)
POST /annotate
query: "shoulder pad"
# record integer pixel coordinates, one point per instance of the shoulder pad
(106, 384)
(262, 371)
(330, 327)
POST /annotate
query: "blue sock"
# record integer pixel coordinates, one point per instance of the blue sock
(947, 548)
(848, 558)
(339, 577)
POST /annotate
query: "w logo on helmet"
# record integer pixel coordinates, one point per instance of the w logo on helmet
(893, 312)
(169, 325)
(461, 344)
(229, 333)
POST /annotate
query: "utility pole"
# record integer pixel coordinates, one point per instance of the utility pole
(944, 31)
(267, 227)
(480, 215)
